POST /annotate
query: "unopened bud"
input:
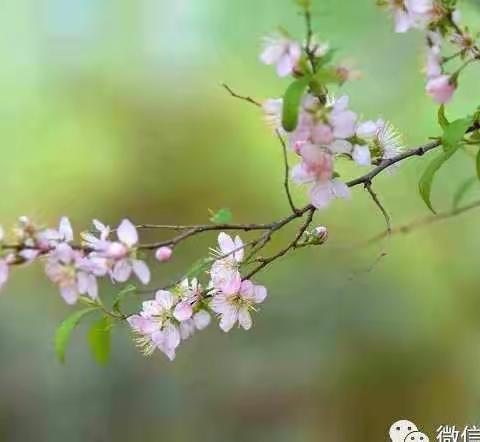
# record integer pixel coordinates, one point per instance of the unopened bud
(320, 234)
(163, 254)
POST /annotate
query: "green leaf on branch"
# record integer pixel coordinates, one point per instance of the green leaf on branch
(121, 295)
(64, 331)
(426, 180)
(291, 103)
(454, 133)
(99, 337)
(222, 216)
(462, 191)
(442, 119)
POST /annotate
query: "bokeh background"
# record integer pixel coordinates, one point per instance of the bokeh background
(111, 109)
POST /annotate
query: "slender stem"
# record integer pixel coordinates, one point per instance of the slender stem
(286, 180)
(431, 219)
(368, 187)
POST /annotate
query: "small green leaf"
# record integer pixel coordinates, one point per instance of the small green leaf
(426, 180)
(462, 191)
(442, 119)
(62, 336)
(291, 103)
(99, 340)
(454, 133)
(222, 216)
(121, 295)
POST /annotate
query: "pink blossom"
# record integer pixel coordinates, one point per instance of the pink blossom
(123, 252)
(224, 272)
(411, 13)
(165, 320)
(236, 307)
(282, 51)
(342, 120)
(322, 134)
(163, 254)
(440, 89)
(73, 273)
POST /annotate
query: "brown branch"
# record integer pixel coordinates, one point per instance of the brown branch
(241, 97)
(264, 262)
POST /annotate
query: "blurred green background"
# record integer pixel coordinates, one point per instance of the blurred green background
(111, 109)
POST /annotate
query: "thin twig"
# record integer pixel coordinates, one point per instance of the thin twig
(368, 187)
(291, 246)
(286, 179)
(241, 97)
(408, 228)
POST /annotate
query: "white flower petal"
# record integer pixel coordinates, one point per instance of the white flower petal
(141, 270)
(127, 233)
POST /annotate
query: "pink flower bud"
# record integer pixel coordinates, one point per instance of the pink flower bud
(117, 250)
(163, 254)
(440, 89)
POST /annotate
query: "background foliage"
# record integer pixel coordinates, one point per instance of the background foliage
(114, 108)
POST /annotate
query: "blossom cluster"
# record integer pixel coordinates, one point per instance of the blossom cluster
(327, 129)
(441, 22)
(173, 315)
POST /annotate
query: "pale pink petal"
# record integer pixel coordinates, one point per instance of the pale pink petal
(201, 319)
(69, 294)
(322, 134)
(340, 189)
(127, 233)
(141, 270)
(367, 129)
(226, 243)
(247, 289)
(232, 285)
(343, 124)
(122, 270)
(244, 318)
(183, 311)
(165, 299)
(260, 294)
(238, 255)
(272, 52)
(172, 336)
(300, 175)
(285, 65)
(65, 229)
(228, 319)
(321, 195)
(361, 155)
(403, 21)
